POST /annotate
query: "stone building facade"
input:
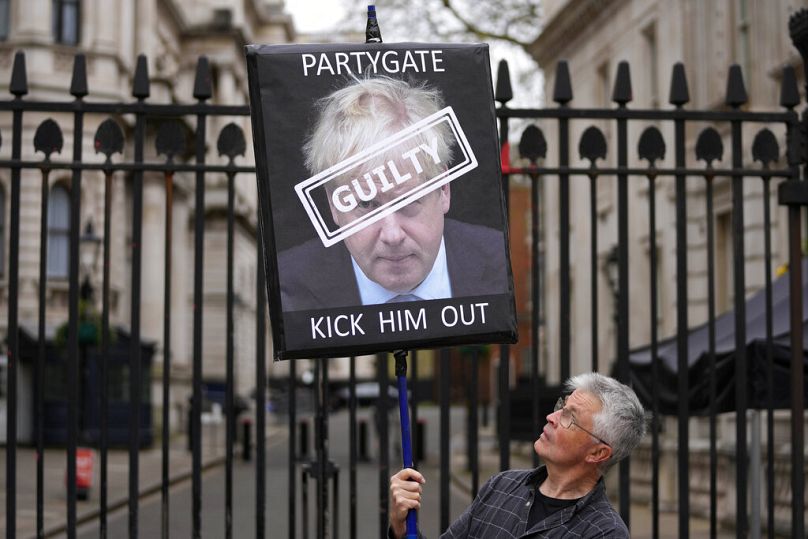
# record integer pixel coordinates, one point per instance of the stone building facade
(172, 34)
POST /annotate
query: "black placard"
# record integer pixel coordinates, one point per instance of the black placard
(380, 197)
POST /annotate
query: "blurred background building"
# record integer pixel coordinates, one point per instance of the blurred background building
(172, 34)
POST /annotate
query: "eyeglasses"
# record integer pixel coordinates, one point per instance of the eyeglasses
(567, 420)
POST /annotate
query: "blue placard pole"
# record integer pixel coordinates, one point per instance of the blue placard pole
(406, 438)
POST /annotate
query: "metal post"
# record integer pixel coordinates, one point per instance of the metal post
(230, 413)
(261, 404)
(681, 318)
(73, 372)
(622, 95)
(304, 492)
(202, 92)
(755, 476)
(292, 450)
(352, 505)
(384, 447)
(736, 96)
(169, 228)
(445, 429)
(39, 385)
(406, 440)
(473, 423)
(19, 88)
(795, 194)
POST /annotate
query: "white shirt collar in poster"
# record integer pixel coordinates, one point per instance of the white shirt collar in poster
(435, 286)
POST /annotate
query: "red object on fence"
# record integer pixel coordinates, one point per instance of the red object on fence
(505, 158)
(85, 458)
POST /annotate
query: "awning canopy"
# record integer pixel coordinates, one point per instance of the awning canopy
(698, 357)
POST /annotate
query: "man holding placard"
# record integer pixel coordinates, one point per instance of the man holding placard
(595, 426)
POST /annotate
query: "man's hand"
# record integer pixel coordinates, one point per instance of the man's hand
(405, 494)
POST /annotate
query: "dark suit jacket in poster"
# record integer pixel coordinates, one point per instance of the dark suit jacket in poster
(315, 277)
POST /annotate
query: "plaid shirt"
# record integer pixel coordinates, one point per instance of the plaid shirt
(501, 508)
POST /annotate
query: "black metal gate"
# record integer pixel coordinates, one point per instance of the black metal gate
(174, 123)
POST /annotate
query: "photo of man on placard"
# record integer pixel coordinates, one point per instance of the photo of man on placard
(390, 240)
(381, 204)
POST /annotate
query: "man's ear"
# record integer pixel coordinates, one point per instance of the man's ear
(445, 198)
(599, 453)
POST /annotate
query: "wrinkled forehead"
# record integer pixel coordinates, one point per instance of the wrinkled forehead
(582, 402)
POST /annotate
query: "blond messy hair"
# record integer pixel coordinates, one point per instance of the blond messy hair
(369, 110)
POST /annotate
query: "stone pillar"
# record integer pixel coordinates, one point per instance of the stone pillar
(32, 21)
(153, 261)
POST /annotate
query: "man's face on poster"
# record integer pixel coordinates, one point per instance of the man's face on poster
(398, 251)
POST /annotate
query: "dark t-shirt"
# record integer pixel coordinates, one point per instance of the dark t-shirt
(543, 506)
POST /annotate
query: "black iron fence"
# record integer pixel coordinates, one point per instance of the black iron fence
(172, 130)
(762, 162)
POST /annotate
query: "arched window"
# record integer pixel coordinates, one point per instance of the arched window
(66, 21)
(58, 231)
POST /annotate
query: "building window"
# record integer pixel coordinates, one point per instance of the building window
(58, 232)
(66, 20)
(724, 263)
(4, 14)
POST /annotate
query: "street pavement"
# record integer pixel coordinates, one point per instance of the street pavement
(244, 507)
(55, 466)
(277, 506)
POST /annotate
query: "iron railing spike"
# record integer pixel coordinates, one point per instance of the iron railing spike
(562, 89)
(736, 90)
(592, 145)
(679, 94)
(48, 138)
(78, 83)
(171, 139)
(231, 142)
(503, 92)
(709, 146)
(789, 92)
(109, 138)
(622, 84)
(203, 88)
(651, 146)
(532, 145)
(765, 148)
(19, 78)
(140, 86)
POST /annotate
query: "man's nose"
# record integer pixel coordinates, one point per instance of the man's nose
(552, 417)
(391, 229)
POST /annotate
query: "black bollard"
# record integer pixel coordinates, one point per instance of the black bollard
(420, 440)
(303, 428)
(247, 439)
(363, 440)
